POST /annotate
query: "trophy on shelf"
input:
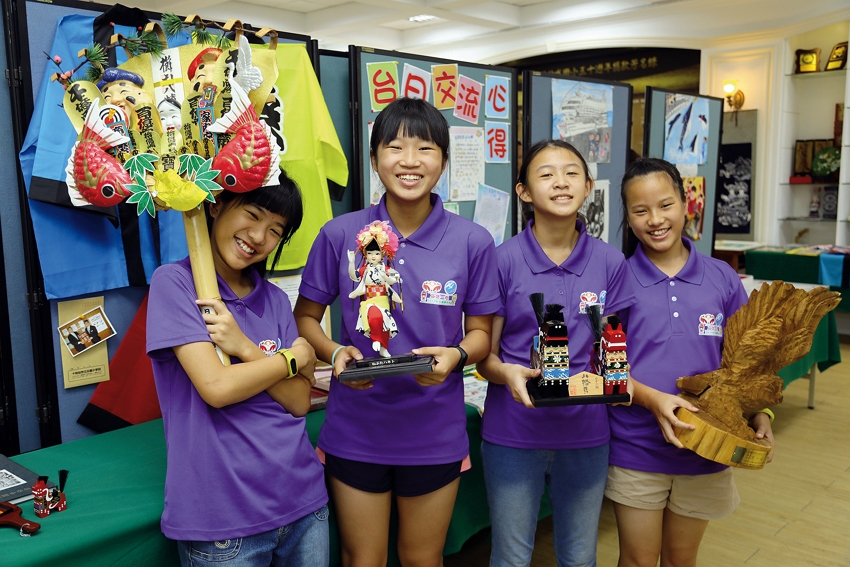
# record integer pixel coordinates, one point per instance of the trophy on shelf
(377, 245)
(772, 330)
(550, 354)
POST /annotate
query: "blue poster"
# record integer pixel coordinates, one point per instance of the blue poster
(685, 129)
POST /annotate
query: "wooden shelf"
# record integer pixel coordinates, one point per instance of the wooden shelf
(818, 74)
(807, 219)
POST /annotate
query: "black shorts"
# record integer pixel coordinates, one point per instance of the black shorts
(405, 480)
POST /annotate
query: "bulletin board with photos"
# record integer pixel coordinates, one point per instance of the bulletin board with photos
(686, 130)
(595, 116)
(479, 104)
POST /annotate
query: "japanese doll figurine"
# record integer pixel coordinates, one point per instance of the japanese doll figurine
(378, 244)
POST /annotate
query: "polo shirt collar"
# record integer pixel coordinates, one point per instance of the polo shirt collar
(431, 232)
(648, 273)
(253, 301)
(539, 262)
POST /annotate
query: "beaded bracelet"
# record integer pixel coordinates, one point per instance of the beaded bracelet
(339, 348)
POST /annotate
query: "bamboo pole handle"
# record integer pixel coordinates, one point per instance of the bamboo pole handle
(200, 256)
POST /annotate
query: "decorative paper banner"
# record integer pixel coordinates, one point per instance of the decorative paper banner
(498, 142)
(416, 82)
(498, 97)
(733, 193)
(467, 164)
(167, 78)
(686, 129)
(595, 209)
(442, 186)
(694, 216)
(445, 85)
(383, 83)
(491, 211)
(468, 103)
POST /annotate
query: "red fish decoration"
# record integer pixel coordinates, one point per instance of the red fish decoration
(251, 158)
(94, 176)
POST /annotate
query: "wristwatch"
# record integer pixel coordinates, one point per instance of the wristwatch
(463, 356)
(291, 363)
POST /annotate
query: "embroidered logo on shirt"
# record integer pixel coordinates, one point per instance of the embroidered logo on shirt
(269, 346)
(434, 293)
(710, 325)
(590, 298)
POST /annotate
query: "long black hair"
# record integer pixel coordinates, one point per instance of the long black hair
(283, 199)
(522, 176)
(642, 167)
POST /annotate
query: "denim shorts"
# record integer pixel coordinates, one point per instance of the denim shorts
(406, 481)
(304, 542)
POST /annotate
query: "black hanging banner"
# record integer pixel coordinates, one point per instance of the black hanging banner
(734, 203)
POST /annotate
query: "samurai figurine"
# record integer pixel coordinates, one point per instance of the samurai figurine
(378, 244)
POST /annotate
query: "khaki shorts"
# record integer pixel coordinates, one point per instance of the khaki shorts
(702, 496)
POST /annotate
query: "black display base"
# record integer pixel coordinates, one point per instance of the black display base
(542, 398)
(379, 367)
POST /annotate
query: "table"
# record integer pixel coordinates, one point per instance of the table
(115, 497)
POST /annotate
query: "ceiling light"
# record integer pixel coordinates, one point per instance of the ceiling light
(422, 18)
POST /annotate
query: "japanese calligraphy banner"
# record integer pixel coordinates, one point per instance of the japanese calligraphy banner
(497, 103)
(383, 83)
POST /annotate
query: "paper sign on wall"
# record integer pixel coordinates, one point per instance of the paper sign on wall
(467, 163)
(468, 103)
(498, 138)
(383, 83)
(416, 82)
(497, 103)
(445, 80)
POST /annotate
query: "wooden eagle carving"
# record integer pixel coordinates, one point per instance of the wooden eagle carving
(771, 331)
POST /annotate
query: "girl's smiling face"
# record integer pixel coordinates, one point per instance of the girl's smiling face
(556, 183)
(243, 234)
(656, 212)
(409, 167)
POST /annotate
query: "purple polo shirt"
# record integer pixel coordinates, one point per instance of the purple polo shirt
(675, 329)
(595, 272)
(448, 269)
(243, 469)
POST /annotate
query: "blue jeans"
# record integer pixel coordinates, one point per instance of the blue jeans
(304, 542)
(515, 482)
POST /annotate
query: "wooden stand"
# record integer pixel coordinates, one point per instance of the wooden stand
(200, 256)
(711, 441)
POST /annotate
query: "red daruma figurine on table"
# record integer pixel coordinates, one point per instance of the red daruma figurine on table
(378, 244)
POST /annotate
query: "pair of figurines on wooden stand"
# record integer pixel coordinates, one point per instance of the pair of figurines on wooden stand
(550, 354)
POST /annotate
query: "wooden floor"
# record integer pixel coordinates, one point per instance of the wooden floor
(793, 513)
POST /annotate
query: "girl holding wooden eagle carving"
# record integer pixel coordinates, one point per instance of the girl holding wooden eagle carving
(664, 496)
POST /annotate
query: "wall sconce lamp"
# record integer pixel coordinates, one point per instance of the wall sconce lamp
(734, 96)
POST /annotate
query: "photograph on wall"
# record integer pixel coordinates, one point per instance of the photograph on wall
(686, 129)
(86, 330)
(582, 115)
(734, 207)
(695, 214)
(595, 210)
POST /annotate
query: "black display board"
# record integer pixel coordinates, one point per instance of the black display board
(596, 117)
(686, 130)
(382, 74)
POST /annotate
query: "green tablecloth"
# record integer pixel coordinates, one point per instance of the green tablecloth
(825, 352)
(115, 498)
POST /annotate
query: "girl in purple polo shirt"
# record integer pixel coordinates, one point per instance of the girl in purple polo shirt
(665, 495)
(243, 484)
(526, 448)
(404, 434)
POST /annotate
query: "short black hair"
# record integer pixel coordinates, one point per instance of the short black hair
(642, 167)
(283, 199)
(414, 117)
